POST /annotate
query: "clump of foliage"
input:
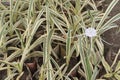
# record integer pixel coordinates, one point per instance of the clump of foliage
(53, 31)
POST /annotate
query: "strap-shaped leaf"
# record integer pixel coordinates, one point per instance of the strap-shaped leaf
(110, 7)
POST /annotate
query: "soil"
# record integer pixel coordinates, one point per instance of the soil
(111, 36)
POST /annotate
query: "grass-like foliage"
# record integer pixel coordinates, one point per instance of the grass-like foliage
(51, 33)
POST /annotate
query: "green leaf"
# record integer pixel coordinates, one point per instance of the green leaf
(117, 67)
(117, 76)
(108, 75)
(95, 73)
(58, 25)
(110, 7)
(14, 55)
(112, 20)
(46, 56)
(106, 65)
(109, 24)
(68, 47)
(10, 77)
(85, 60)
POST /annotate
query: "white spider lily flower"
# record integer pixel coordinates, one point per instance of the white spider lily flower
(90, 32)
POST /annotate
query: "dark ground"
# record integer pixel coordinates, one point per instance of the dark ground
(112, 36)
